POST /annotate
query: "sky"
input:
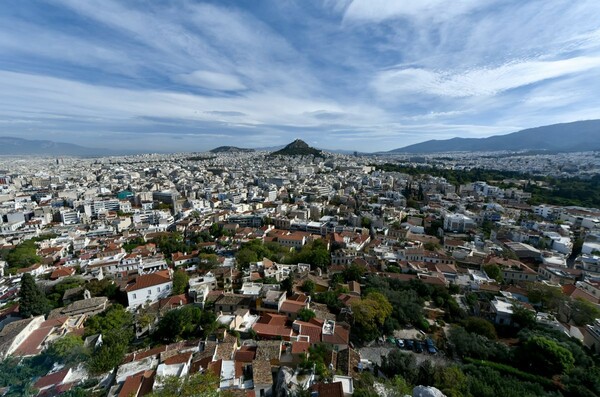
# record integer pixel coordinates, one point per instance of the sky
(367, 75)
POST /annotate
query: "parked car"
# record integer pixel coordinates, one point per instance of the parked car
(429, 342)
(400, 343)
(408, 343)
(431, 350)
(418, 347)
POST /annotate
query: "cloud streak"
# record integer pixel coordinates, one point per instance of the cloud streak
(368, 75)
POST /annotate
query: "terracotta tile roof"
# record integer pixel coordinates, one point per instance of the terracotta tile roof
(300, 347)
(341, 336)
(312, 331)
(52, 379)
(149, 280)
(62, 271)
(173, 301)
(244, 356)
(33, 344)
(291, 306)
(347, 299)
(215, 367)
(267, 330)
(178, 358)
(272, 319)
(329, 389)
(575, 293)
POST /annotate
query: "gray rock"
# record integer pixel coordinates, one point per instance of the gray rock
(427, 391)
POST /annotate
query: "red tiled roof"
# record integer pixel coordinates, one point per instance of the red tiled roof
(340, 336)
(312, 331)
(329, 389)
(269, 330)
(32, 345)
(52, 379)
(178, 359)
(62, 272)
(300, 347)
(245, 356)
(149, 280)
(272, 319)
(291, 306)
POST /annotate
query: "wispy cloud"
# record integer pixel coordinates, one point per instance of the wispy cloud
(478, 82)
(211, 80)
(362, 74)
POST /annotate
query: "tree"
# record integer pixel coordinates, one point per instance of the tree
(309, 287)
(370, 315)
(183, 323)
(180, 282)
(32, 301)
(365, 222)
(107, 357)
(245, 257)
(451, 381)
(354, 272)
(398, 387)
(431, 246)
(550, 298)
(522, 317)
(68, 349)
(465, 344)
(400, 363)
(480, 326)
(115, 325)
(305, 314)
(198, 384)
(544, 356)
(493, 271)
(581, 312)
(23, 255)
(287, 284)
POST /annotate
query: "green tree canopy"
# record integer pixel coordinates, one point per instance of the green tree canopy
(180, 282)
(493, 271)
(309, 287)
(480, 326)
(370, 315)
(32, 301)
(544, 356)
(581, 312)
(185, 322)
(23, 255)
(305, 314)
(68, 350)
(115, 325)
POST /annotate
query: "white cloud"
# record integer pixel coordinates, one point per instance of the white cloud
(478, 82)
(380, 10)
(211, 80)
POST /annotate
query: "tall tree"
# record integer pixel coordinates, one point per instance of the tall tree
(544, 356)
(180, 282)
(32, 301)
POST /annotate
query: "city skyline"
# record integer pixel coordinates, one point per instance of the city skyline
(340, 75)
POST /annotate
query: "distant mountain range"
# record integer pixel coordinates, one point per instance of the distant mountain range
(231, 149)
(20, 146)
(298, 148)
(567, 137)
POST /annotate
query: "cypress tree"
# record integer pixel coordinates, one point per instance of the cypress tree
(32, 301)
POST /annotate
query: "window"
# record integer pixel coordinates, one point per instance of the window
(157, 289)
(149, 292)
(134, 297)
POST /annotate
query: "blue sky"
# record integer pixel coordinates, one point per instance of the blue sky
(363, 75)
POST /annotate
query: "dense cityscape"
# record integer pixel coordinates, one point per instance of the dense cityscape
(322, 198)
(274, 274)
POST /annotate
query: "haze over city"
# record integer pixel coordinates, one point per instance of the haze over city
(356, 75)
